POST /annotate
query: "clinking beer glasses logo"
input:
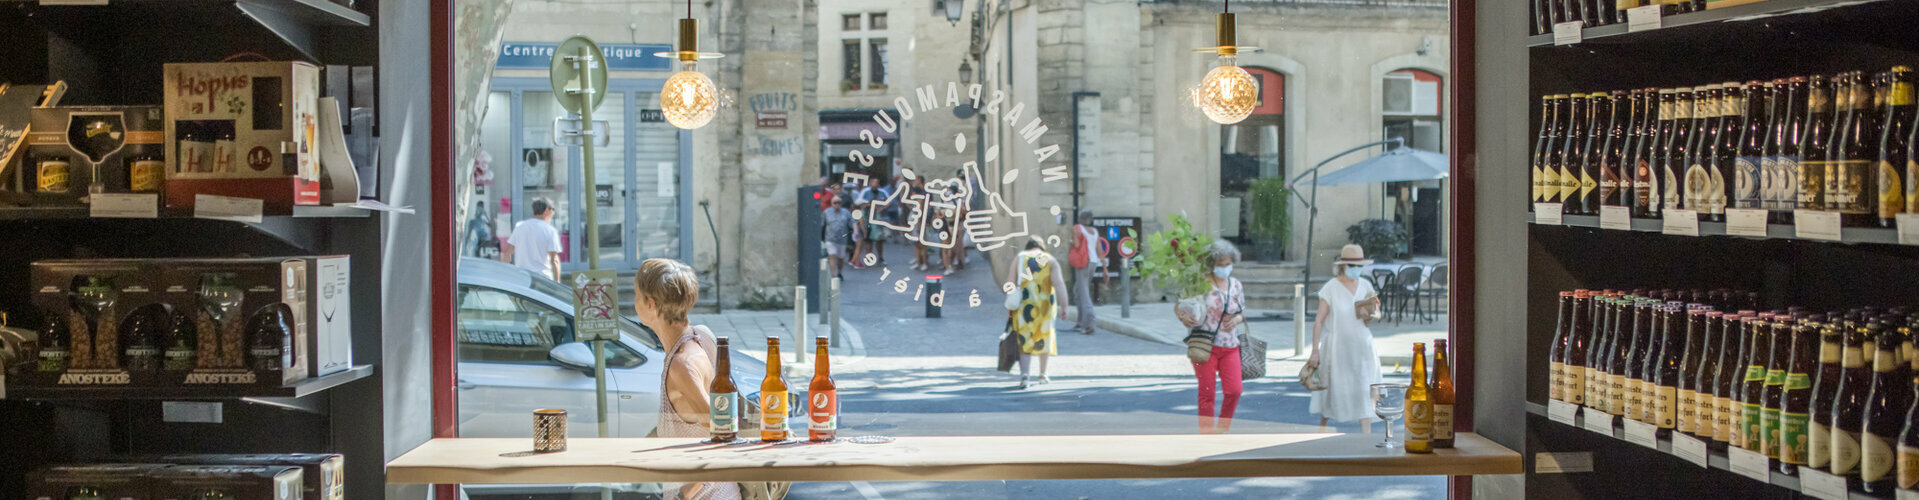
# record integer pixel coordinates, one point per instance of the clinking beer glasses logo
(943, 216)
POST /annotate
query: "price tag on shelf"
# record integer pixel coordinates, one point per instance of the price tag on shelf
(1908, 235)
(1749, 463)
(1568, 33)
(1598, 421)
(208, 206)
(124, 206)
(1643, 434)
(1681, 222)
(1562, 412)
(1905, 495)
(1615, 217)
(1816, 224)
(1690, 449)
(1746, 222)
(1819, 484)
(1642, 18)
(1551, 214)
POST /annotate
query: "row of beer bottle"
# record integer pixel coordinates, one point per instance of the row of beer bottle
(1841, 144)
(822, 397)
(1429, 403)
(1832, 391)
(1591, 13)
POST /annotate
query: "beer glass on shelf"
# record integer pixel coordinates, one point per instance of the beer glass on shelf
(96, 135)
(1389, 402)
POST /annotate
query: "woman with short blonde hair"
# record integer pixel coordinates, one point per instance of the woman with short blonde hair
(664, 291)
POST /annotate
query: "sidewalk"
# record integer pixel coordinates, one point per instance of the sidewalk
(1155, 322)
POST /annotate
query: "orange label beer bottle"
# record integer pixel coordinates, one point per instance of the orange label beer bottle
(773, 398)
(823, 401)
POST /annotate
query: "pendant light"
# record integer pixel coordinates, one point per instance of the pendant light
(689, 100)
(1228, 93)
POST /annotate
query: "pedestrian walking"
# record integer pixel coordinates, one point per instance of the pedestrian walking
(1085, 259)
(918, 191)
(1224, 314)
(1037, 301)
(665, 290)
(861, 201)
(876, 194)
(1343, 344)
(839, 231)
(535, 244)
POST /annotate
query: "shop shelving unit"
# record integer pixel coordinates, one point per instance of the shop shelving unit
(113, 55)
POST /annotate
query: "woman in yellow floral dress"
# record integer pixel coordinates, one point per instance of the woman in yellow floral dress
(1042, 290)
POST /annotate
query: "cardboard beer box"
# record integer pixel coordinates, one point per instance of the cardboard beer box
(243, 129)
(329, 314)
(324, 474)
(248, 318)
(105, 481)
(101, 324)
(251, 482)
(69, 145)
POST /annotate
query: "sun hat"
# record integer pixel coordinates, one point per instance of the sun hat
(1352, 255)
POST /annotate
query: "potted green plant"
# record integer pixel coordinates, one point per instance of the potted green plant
(1271, 225)
(1175, 261)
(1383, 239)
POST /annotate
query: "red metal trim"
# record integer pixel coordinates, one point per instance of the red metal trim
(1465, 180)
(445, 408)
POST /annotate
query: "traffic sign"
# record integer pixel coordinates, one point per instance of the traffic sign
(579, 57)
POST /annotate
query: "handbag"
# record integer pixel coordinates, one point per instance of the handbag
(1309, 377)
(1252, 356)
(1008, 348)
(1199, 345)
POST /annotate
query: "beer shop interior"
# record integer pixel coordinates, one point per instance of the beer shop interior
(636, 249)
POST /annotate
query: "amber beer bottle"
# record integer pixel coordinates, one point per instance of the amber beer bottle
(773, 396)
(1796, 404)
(1419, 406)
(1893, 152)
(1890, 399)
(723, 409)
(1825, 388)
(1908, 461)
(823, 400)
(1442, 389)
(1847, 415)
(1557, 358)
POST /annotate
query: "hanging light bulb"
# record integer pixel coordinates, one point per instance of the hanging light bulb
(689, 100)
(1228, 93)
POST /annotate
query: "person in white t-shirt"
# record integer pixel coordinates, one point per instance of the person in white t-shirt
(535, 244)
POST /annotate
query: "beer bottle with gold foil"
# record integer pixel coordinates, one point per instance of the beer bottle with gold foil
(1891, 399)
(1612, 169)
(1550, 173)
(1814, 153)
(1778, 361)
(1848, 417)
(1673, 162)
(1893, 150)
(1825, 389)
(1852, 173)
(1796, 397)
(773, 396)
(1666, 384)
(1599, 107)
(1442, 391)
(1907, 465)
(1578, 127)
(1748, 178)
(823, 398)
(1645, 178)
(1419, 406)
(1561, 340)
(723, 410)
(1697, 175)
(1541, 145)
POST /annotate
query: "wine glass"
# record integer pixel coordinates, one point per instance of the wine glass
(1389, 402)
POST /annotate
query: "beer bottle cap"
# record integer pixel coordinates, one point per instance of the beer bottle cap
(1714, 314)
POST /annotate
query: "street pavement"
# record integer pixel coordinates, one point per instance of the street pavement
(901, 373)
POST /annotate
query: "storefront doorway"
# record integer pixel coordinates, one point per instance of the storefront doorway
(642, 174)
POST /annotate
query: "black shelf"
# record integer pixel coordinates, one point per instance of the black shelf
(298, 389)
(1763, 10)
(81, 212)
(1853, 235)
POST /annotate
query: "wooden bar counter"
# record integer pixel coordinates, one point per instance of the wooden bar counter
(957, 458)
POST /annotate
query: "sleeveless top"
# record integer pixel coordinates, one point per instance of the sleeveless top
(673, 425)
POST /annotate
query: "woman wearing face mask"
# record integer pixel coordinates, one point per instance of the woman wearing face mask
(1224, 314)
(1343, 345)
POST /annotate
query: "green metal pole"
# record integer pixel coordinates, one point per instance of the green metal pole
(585, 64)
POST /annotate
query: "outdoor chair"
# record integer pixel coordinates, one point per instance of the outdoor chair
(1435, 290)
(1405, 287)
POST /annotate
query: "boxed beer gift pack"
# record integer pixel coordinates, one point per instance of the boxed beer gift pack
(249, 318)
(105, 481)
(98, 323)
(253, 482)
(323, 474)
(73, 150)
(243, 129)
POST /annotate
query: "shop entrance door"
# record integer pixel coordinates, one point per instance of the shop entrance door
(643, 173)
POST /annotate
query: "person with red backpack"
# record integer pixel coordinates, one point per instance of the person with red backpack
(1085, 259)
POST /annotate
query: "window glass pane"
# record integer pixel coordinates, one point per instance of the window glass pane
(877, 21)
(610, 167)
(878, 77)
(850, 65)
(850, 22)
(657, 170)
(544, 172)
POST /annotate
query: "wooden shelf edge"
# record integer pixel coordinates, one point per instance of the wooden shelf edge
(1848, 235)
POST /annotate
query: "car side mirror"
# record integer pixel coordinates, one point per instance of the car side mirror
(573, 355)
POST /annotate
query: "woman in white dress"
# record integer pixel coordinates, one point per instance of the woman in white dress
(1343, 345)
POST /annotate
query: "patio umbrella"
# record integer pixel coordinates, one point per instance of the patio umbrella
(1395, 165)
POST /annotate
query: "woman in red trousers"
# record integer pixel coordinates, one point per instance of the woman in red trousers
(1224, 315)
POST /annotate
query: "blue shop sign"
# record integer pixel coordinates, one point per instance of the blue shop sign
(619, 56)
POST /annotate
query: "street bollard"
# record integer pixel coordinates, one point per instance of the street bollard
(1299, 319)
(835, 291)
(933, 297)
(1126, 288)
(826, 276)
(799, 324)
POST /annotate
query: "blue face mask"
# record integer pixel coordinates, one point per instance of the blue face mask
(1353, 272)
(1223, 271)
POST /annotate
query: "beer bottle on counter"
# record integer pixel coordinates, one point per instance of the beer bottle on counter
(1674, 161)
(1726, 153)
(1796, 406)
(1849, 402)
(1575, 374)
(1611, 152)
(1442, 390)
(1556, 388)
(1893, 150)
(1705, 134)
(723, 410)
(823, 398)
(1814, 153)
(773, 396)
(1704, 382)
(1778, 361)
(1666, 383)
(1752, 395)
(1907, 464)
(1419, 406)
(1540, 146)
(1686, 409)
(1825, 390)
(1891, 398)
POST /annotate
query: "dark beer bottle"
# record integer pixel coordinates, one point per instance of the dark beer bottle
(723, 410)
(1595, 353)
(823, 398)
(1796, 400)
(1726, 381)
(1621, 352)
(1673, 161)
(1907, 464)
(1697, 181)
(1575, 358)
(1848, 416)
(1541, 146)
(1893, 150)
(1890, 399)
(1561, 343)
(1593, 153)
(1855, 159)
(1636, 121)
(1753, 394)
(1603, 353)
(1726, 153)
(1705, 382)
(1612, 152)
(1647, 345)
(1554, 189)
(774, 397)
(1443, 396)
(1814, 153)
(1778, 361)
(1748, 178)
(1572, 156)
(1642, 163)
(1825, 390)
(1686, 413)
(1666, 381)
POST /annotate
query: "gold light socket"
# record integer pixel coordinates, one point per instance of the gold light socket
(689, 39)
(1224, 25)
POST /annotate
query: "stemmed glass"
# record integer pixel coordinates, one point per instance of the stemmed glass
(1389, 402)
